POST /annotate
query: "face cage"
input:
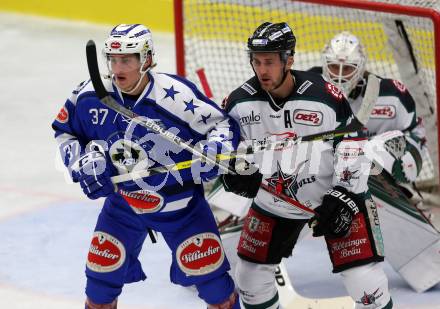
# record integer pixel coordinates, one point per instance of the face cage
(141, 71)
(346, 83)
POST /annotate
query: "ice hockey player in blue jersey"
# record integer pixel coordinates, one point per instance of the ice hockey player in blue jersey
(97, 143)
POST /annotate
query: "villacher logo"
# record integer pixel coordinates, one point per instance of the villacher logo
(200, 254)
(106, 253)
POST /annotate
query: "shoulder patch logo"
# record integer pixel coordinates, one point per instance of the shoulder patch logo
(334, 91)
(63, 115)
(304, 86)
(383, 112)
(307, 117)
(106, 253)
(248, 88)
(401, 87)
(200, 254)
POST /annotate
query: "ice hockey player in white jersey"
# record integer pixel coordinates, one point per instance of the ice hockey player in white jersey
(398, 133)
(279, 103)
(97, 143)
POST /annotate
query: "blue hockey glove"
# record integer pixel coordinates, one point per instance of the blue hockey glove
(334, 217)
(209, 171)
(92, 174)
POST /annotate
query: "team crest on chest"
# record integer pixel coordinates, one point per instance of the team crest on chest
(288, 183)
(125, 154)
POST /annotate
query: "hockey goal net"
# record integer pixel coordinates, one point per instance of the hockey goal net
(401, 38)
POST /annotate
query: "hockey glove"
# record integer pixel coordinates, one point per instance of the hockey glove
(208, 170)
(405, 169)
(247, 181)
(334, 217)
(91, 172)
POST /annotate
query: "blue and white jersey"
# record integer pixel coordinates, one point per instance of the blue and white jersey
(84, 123)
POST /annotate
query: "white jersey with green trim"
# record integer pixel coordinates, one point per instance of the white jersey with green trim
(303, 172)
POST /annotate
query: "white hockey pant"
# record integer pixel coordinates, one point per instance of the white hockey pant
(367, 285)
(256, 283)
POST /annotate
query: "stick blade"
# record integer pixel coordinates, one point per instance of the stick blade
(92, 64)
(370, 98)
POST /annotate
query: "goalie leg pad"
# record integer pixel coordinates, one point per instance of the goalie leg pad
(362, 245)
(267, 239)
(256, 284)
(368, 286)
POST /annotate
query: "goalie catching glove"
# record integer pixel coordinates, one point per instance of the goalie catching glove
(334, 217)
(399, 157)
(246, 182)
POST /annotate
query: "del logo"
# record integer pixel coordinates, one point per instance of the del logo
(63, 115)
(383, 112)
(306, 117)
(143, 201)
(334, 91)
(200, 254)
(250, 119)
(115, 44)
(106, 253)
(401, 87)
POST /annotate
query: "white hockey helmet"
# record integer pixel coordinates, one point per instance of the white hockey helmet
(344, 61)
(130, 39)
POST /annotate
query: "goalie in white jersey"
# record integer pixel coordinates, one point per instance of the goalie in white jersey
(393, 122)
(328, 177)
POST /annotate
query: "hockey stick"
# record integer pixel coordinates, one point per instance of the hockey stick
(361, 118)
(111, 103)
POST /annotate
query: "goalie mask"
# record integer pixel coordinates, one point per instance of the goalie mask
(344, 61)
(130, 39)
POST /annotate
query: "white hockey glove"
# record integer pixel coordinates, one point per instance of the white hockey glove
(91, 171)
(389, 151)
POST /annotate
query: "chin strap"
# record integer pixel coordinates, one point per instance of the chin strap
(139, 81)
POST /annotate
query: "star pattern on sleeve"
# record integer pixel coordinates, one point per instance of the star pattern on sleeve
(170, 92)
(205, 118)
(190, 106)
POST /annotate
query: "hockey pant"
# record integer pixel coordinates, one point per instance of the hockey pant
(197, 254)
(263, 244)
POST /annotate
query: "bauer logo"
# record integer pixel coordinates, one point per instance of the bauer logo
(143, 201)
(115, 45)
(63, 115)
(306, 117)
(106, 253)
(383, 112)
(200, 254)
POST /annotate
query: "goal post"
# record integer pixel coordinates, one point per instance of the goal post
(401, 38)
